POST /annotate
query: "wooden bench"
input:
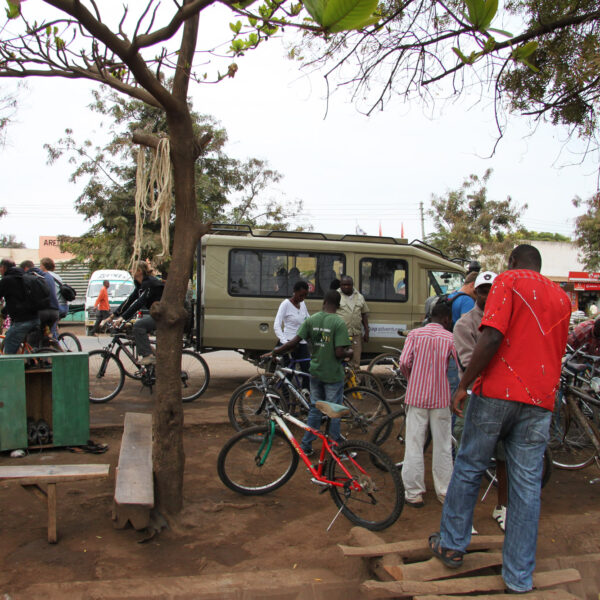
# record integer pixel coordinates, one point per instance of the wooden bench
(134, 488)
(31, 476)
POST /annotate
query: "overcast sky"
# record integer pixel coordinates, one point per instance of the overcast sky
(348, 169)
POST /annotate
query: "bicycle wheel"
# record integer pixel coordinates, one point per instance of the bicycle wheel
(390, 436)
(393, 383)
(246, 402)
(69, 342)
(194, 375)
(570, 444)
(239, 461)
(378, 499)
(129, 367)
(367, 410)
(106, 376)
(368, 380)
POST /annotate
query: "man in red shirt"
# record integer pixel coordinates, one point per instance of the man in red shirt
(518, 361)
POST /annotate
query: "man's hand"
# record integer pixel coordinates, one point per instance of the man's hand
(267, 355)
(458, 401)
(118, 321)
(366, 336)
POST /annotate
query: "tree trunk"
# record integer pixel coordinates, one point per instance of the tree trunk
(168, 455)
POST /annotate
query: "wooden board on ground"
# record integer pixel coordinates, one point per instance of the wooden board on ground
(378, 565)
(464, 585)
(434, 568)
(535, 595)
(418, 548)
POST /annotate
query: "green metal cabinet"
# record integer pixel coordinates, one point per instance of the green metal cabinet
(57, 393)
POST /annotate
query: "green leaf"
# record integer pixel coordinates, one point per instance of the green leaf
(530, 65)
(236, 27)
(489, 12)
(489, 45)
(344, 15)
(14, 9)
(243, 4)
(481, 13)
(316, 9)
(507, 34)
(525, 50)
(467, 60)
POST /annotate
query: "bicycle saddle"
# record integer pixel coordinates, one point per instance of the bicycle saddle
(334, 411)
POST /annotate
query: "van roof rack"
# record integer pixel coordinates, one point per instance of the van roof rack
(243, 229)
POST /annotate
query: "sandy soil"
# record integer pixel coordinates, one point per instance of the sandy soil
(220, 534)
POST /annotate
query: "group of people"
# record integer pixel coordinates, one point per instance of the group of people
(498, 342)
(335, 334)
(26, 319)
(509, 349)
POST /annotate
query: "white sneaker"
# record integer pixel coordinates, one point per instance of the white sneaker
(148, 360)
(474, 531)
(499, 515)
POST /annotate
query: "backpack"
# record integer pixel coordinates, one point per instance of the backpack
(37, 293)
(65, 290)
(433, 300)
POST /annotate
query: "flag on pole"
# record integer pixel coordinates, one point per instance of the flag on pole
(360, 231)
(380, 234)
(401, 230)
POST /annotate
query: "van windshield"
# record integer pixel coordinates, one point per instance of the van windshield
(444, 282)
(117, 289)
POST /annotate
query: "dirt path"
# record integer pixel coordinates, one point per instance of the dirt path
(223, 543)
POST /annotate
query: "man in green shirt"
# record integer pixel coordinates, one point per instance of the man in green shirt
(328, 336)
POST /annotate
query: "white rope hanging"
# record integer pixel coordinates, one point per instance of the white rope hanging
(153, 196)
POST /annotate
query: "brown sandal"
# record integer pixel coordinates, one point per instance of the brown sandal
(451, 558)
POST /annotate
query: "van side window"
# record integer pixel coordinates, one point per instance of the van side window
(444, 282)
(384, 279)
(274, 273)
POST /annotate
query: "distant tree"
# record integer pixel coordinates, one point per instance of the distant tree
(8, 240)
(8, 107)
(227, 190)
(587, 231)
(541, 236)
(468, 225)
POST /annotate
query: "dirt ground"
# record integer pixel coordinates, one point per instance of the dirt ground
(228, 546)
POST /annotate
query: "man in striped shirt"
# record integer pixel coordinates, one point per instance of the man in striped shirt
(424, 362)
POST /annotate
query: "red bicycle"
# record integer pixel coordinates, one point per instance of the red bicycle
(362, 480)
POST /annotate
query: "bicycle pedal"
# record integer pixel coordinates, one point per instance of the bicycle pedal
(323, 483)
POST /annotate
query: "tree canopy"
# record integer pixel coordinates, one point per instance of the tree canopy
(537, 57)
(468, 225)
(587, 231)
(228, 190)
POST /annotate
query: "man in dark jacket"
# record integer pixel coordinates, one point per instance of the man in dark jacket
(24, 318)
(148, 290)
(48, 316)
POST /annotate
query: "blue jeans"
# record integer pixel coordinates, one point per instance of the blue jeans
(17, 333)
(141, 328)
(524, 430)
(331, 392)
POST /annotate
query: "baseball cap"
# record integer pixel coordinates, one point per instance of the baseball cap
(487, 277)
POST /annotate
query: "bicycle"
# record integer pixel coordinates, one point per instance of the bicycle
(574, 433)
(390, 435)
(366, 407)
(386, 367)
(261, 459)
(107, 374)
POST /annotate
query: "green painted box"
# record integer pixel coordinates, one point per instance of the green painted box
(56, 392)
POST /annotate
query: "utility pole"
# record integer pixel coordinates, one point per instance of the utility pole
(422, 221)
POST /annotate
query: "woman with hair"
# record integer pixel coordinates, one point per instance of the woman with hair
(291, 314)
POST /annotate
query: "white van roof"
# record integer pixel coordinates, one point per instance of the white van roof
(111, 274)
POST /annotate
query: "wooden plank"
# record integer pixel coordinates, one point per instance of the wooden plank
(377, 565)
(52, 535)
(535, 595)
(465, 585)
(135, 484)
(31, 474)
(413, 548)
(435, 568)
